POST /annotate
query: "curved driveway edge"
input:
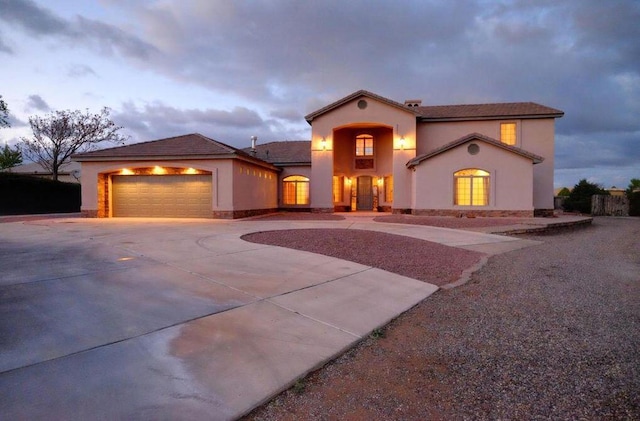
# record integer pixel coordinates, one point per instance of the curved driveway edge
(181, 319)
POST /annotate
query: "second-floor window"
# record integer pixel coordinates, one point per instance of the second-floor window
(508, 133)
(364, 145)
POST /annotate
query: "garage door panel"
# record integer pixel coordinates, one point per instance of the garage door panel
(162, 196)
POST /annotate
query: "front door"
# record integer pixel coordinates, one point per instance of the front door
(365, 193)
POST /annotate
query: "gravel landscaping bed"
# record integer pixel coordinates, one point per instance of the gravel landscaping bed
(299, 216)
(448, 221)
(402, 255)
(545, 332)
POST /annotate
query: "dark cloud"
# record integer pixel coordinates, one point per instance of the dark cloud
(33, 18)
(110, 39)
(292, 115)
(40, 21)
(36, 103)
(288, 58)
(158, 120)
(4, 48)
(613, 149)
(81, 70)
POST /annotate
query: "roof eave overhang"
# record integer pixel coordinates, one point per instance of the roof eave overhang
(80, 158)
(419, 159)
(482, 118)
(292, 164)
(140, 158)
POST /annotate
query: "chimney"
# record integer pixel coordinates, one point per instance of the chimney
(254, 139)
(413, 102)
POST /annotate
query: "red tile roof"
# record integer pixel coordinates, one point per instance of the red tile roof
(283, 153)
(474, 137)
(486, 111)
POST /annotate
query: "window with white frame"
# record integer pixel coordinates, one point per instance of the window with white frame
(471, 187)
(295, 190)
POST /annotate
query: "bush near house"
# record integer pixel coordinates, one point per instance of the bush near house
(633, 194)
(23, 194)
(634, 203)
(579, 200)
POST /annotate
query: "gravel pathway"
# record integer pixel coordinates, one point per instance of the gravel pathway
(546, 332)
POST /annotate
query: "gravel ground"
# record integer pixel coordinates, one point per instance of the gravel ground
(394, 253)
(447, 221)
(545, 332)
(299, 216)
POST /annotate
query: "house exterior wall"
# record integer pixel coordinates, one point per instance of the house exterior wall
(533, 135)
(255, 189)
(511, 192)
(231, 197)
(398, 123)
(538, 137)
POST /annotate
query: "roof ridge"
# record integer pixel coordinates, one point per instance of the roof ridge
(217, 142)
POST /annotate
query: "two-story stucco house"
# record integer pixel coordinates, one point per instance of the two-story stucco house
(366, 152)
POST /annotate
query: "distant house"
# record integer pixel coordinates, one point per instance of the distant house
(615, 191)
(68, 172)
(366, 153)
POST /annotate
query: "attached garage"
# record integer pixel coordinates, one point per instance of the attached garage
(170, 196)
(189, 176)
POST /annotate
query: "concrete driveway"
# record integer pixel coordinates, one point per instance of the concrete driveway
(181, 319)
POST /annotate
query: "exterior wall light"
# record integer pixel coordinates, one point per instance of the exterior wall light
(323, 144)
(401, 142)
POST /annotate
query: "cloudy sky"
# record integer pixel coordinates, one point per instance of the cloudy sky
(233, 69)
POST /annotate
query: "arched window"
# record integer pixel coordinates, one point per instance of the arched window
(471, 187)
(295, 190)
(364, 145)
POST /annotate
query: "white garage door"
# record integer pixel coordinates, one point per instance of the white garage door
(169, 196)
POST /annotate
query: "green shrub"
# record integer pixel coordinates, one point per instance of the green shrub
(23, 194)
(579, 200)
(634, 203)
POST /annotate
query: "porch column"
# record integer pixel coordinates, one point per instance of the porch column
(321, 183)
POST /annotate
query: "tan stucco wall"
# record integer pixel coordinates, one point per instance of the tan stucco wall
(510, 185)
(225, 192)
(538, 136)
(534, 135)
(336, 125)
(254, 187)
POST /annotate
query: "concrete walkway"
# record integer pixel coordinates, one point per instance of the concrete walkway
(181, 319)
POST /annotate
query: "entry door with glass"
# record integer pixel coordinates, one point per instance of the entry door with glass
(365, 193)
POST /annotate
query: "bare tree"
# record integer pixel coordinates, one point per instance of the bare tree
(60, 134)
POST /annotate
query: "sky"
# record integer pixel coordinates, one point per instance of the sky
(234, 69)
